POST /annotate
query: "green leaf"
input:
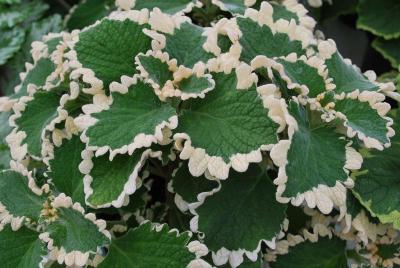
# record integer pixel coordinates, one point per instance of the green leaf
(73, 232)
(112, 41)
(10, 43)
(389, 50)
(282, 12)
(194, 86)
(169, 7)
(242, 214)
(346, 78)
(64, 172)
(362, 118)
(188, 187)
(234, 6)
(22, 249)
(112, 181)
(186, 45)
(36, 76)
(38, 114)
(88, 12)
(377, 184)
(25, 13)
(326, 253)
(5, 128)
(123, 122)
(17, 198)
(302, 74)
(146, 247)
(379, 17)
(260, 40)
(154, 70)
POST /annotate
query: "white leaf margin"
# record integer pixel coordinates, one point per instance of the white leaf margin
(101, 102)
(59, 253)
(321, 196)
(132, 184)
(130, 4)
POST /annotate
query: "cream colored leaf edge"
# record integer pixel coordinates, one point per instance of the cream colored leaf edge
(58, 252)
(130, 4)
(200, 161)
(321, 196)
(171, 87)
(102, 102)
(133, 182)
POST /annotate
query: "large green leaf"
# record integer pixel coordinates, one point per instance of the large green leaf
(112, 41)
(88, 12)
(169, 7)
(145, 246)
(64, 172)
(379, 17)
(131, 115)
(389, 49)
(346, 78)
(186, 45)
(260, 40)
(38, 114)
(326, 253)
(225, 123)
(377, 184)
(17, 198)
(242, 214)
(22, 249)
(10, 43)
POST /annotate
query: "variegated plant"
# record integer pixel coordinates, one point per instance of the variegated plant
(253, 139)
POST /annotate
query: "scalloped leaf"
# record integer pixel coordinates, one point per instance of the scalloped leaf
(188, 187)
(144, 246)
(301, 73)
(379, 17)
(242, 213)
(194, 85)
(22, 249)
(10, 43)
(38, 114)
(5, 129)
(158, 71)
(73, 232)
(389, 50)
(346, 78)
(112, 41)
(37, 76)
(282, 12)
(314, 142)
(327, 253)
(64, 169)
(17, 197)
(16, 14)
(228, 121)
(377, 184)
(260, 40)
(88, 12)
(363, 118)
(186, 45)
(233, 6)
(169, 7)
(137, 112)
(110, 177)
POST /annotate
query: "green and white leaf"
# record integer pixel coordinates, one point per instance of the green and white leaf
(314, 163)
(64, 169)
(170, 7)
(327, 253)
(235, 6)
(379, 17)
(109, 183)
(228, 128)
(88, 12)
(112, 40)
(389, 50)
(132, 117)
(19, 199)
(10, 43)
(148, 246)
(22, 248)
(377, 184)
(73, 235)
(235, 219)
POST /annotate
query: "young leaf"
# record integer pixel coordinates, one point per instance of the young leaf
(169, 7)
(10, 43)
(22, 248)
(389, 50)
(146, 246)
